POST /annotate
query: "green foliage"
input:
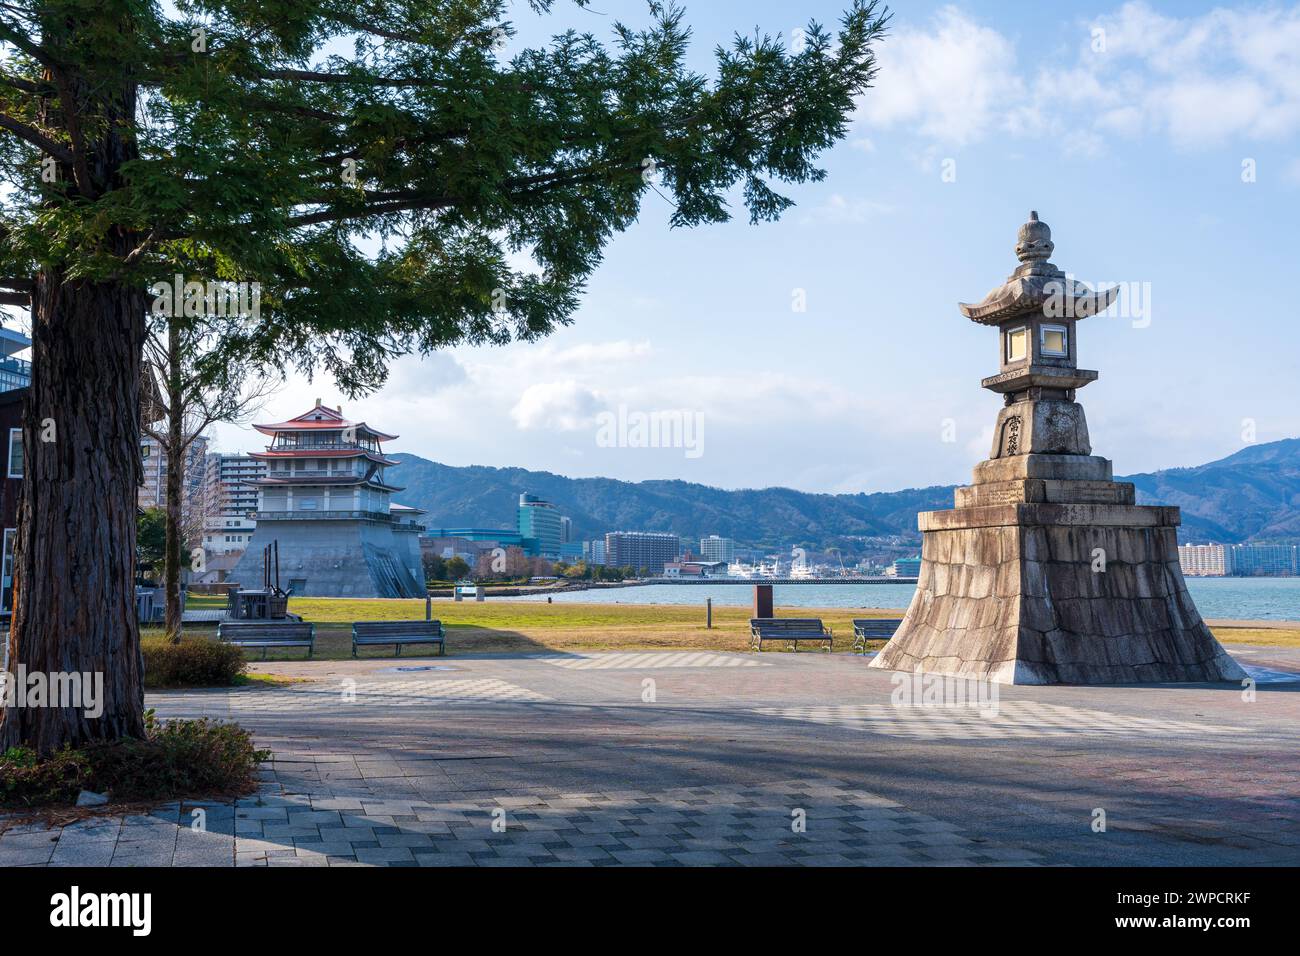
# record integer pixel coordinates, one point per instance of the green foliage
(435, 567)
(194, 662)
(262, 150)
(456, 567)
(26, 780)
(150, 541)
(177, 758)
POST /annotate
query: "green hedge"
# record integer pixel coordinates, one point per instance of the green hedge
(194, 662)
(176, 759)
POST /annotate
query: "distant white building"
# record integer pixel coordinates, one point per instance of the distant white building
(153, 487)
(1204, 560)
(232, 501)
(714, 548)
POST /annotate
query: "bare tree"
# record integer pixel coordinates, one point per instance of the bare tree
(184, 403)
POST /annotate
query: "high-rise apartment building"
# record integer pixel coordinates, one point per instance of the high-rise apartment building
(541, 520)
(1264, 560)
(232, 500)
(714, 548)
(641, 549)
(1204, 560)
(153, 487)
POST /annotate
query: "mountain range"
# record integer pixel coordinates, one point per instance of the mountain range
(1251, 496)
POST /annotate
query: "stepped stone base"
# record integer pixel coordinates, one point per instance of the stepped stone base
(361, 559)
(1015, 593)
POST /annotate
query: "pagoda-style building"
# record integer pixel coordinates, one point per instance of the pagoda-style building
(325, 498)
(1046, 571)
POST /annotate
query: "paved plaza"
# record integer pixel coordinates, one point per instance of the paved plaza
(688, 758)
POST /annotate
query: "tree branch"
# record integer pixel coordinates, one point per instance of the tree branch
(19, 39)
(37, 138)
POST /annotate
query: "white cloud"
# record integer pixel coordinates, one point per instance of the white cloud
(561, 406)
(1198, 80)
(949, 83)
(840, 209)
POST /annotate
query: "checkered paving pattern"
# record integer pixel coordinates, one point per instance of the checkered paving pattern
(627, 661)
(331, 695)
(1010, 719)
(792, 823)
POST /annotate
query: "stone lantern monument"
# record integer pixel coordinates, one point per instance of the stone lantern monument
(1046, 571)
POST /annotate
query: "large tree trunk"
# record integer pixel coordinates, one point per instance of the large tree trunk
(75, 609)
(74, 565)
(176, 456)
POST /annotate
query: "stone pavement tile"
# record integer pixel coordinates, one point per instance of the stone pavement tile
(591, 853)
(303, 818)
(1007, 853)
(404, 839)
(96, 853)
(29, 839)
(328, 848)
(651, 843)
(702, 857)
(826, 859)
(943, 838)
(635, 857)
(590, 839)
(14, 829)
(274, 814)
(347, 834)
(92, 829)
(336, 803)
(945, 854)
(389, 854)
(505, 848)
(276, 831)
(767, 858)
(444, 859)
(142, 856)
(565, 863)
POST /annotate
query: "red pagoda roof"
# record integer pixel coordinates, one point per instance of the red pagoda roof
(344, 481)
(322, 417)
(306, 451)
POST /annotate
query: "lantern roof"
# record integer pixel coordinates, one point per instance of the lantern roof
(1037, 285)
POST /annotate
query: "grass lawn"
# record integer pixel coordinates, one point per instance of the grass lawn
(534, 626)
(1260, 636)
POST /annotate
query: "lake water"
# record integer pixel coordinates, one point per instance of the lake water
(1254, 599)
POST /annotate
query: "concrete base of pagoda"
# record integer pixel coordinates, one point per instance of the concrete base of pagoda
(336, 558)
(1047, 573)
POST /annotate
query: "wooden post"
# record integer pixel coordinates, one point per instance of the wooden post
(763, 601)
(708, 612)
(428, 605)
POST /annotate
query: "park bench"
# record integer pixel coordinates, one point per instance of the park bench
(872, 629)
(263, 635)
(398, 633)
(792, 630)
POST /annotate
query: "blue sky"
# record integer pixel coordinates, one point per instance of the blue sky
(1133, 153)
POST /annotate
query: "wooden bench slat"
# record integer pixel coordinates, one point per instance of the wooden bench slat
(789, 629)
(872, 629)
(399, 633)
(246, 634)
